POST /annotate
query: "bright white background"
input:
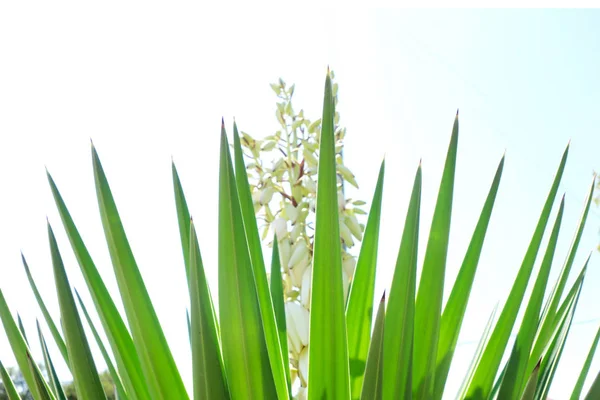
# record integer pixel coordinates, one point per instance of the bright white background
(147, 83)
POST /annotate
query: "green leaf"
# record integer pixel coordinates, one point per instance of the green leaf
(9, 386)
(162, 376)
(488, 367)
(586, 368)
(279, 308)
(119, 338)
(111, 368)
(183, 219)
(258, 267)
(54, 381)
(399, 324)
(428, 306)
(60, 343)
(207, 363)
(242, 335)
(594, 392)
(554, 352)
(529, 392)
(328, 371)
(372, 388)
(85, 377)
(454, 311)
(547, 321)
(516, 371)
(485, 336)
(19, 348)
(21, 328)
(359, 312)
(40, 385)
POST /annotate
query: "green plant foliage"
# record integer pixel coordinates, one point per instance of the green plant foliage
(241, 351)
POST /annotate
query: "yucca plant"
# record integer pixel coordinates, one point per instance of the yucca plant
(237, 348)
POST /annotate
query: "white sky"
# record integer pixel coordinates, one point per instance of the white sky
(147, 83)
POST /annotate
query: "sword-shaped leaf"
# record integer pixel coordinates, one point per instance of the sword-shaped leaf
(483, 380)
(40, 384)
(258, 268)
(207, 363)
(454, 312)
(85, 376)
(428, 307)
(279, 309)
(359, 312)
(328, 370)
(554, 352)
(372, 388)
(119, 338)
(111, 368)
(162, 377)
(242, 335)
(548, 319)
(485, 336)
(585, 369)
(529, 392)
(20, 349)
(60, 343)
(516, 371)
(9, 386)
(54, 381)
(399, 324)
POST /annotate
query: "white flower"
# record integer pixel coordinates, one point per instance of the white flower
(346, 234)
(297, 319)
(280, 227)
(266, 195)
(305, 289)
(354, 227)
(349, 264)
(302, 393)
(303, 365)
(299, 252)
(297, 272)
(345, 283)
(290, 212)
(285, 249)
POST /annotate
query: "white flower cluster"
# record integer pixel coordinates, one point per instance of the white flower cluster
(283, 177)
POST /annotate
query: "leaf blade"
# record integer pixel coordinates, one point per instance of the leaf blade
(455, 308)
(279, 308)
(360, 300)
(158, 365)
(111, 368)
(258, 267)
(207, 363)
(399, 332)
(85, 375)
(119, 338)
(492, 356)
(372, 388)
(428, 306)
(328, 372)
(516, 371)
(244, 348)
